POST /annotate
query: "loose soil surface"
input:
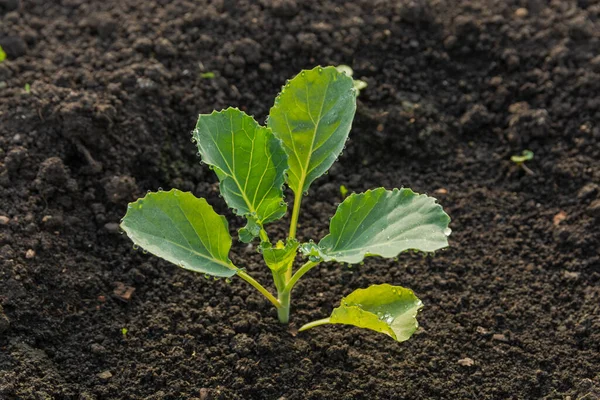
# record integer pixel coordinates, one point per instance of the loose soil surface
(512, 308)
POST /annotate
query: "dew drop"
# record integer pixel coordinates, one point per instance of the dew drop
(206, 276)
(320, 70)
(447, 231)
(135, 247)
(160, 189)
(145, 251)
(303, 73)
(228, 280)
(215, 278)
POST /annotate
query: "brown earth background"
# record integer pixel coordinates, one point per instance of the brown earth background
(512, 308)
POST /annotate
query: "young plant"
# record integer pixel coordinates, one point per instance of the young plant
(520, 160)
(305, 133)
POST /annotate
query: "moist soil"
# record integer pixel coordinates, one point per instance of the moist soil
(97, 101)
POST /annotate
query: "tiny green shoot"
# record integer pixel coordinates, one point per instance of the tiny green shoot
(358, 84)
(343, 191)
(2, 54)
(519, 160)
(207, 75)
(305, 133)
(124, 332)
(27, 88)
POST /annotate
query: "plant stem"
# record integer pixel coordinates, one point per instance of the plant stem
(263, 236)
(283, 312)
(284, 294)
(303, 270)
(295, 215)
(314, 323)
(260, 288)
(293, 225)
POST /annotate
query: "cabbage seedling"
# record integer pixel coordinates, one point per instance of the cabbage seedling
(305, 133)
(520, 160)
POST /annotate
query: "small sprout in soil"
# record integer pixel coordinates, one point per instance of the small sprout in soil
(358, 84)
(306, 131)
(207, 75)
(343, 191)
(27, 88)
(124, 332)
(2, 54)
(520, 160)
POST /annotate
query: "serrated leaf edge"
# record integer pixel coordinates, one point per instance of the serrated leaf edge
(319, 69)
(175, 192)
(309, 249)
(281, 187)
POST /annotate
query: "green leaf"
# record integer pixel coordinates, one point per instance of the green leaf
(312, 116)
(526, 156)
(383, 308)
(250, 231)
(249, 161)
(278, 258)
(2, 54)
(383, 223)
(182, 229)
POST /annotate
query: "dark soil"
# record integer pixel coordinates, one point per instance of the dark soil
(512, 308)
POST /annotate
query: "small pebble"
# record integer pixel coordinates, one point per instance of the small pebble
(30, 254)
(105, 375)
(4, 220)
(571, 275)
(521, 12)
(123, 291)
(466, 362)
(112, 227)
(559, 217)
(97, 348)
(482, 331)
(499, 337)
